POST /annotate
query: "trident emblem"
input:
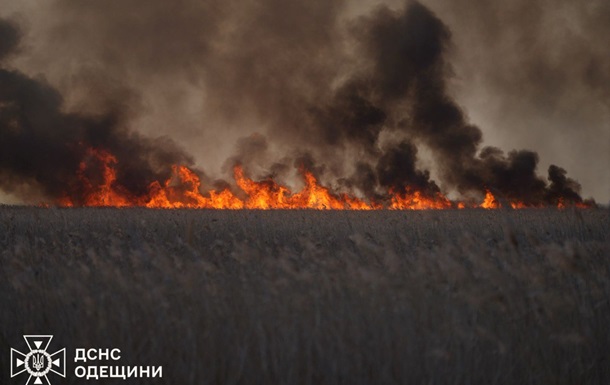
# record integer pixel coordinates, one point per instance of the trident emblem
(38, 363)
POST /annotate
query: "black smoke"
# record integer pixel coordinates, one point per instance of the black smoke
(404, 91)
(356, 100)
(42, 148)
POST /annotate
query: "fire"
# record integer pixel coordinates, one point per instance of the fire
(490, 202)
(97, 185)
(416, 201)
(267, 194)
(518, 205)
(105, 193)
(183, 190)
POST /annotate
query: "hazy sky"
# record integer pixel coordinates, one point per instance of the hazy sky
(530, 74)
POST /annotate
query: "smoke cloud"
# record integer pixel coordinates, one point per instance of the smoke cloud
(354, 98)
(42, 148)
(536, 74)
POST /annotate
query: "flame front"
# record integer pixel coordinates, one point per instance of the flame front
(183, 190)
(490, 201)
(417, 201)
(267, 194)
(98, 186)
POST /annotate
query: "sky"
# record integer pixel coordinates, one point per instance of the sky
(246, 81)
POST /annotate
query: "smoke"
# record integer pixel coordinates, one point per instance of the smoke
(399, 85)
(537, 74)
(9, 38)
(352, 99)
(562, 188)
(397, 171)
(41, 147)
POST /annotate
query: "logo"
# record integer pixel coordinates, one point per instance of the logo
(38, 363)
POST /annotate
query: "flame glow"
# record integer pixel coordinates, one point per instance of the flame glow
(98, 187)
(490, 201)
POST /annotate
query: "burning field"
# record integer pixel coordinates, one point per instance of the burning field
(383, 133)
(295, 192)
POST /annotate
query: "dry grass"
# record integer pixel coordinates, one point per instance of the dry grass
(302, 297)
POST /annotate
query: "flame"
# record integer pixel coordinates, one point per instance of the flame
(97, 185)
(416, 201)
(490, 202)
(183, 190)
(518, 205)
(267, 194)
(106, 193)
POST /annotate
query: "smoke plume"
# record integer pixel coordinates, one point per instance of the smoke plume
(42, 148)
(356, 100)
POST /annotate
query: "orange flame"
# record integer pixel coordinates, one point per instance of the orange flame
(106, 192)
(183, 190)
(490, 202)
(267, 194)
(416, 201)
(518, 205)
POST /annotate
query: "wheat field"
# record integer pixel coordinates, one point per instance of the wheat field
(313, 297)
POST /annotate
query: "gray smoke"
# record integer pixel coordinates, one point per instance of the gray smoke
(353, 98)
(41, 147)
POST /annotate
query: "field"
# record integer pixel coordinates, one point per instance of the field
(310, 297)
